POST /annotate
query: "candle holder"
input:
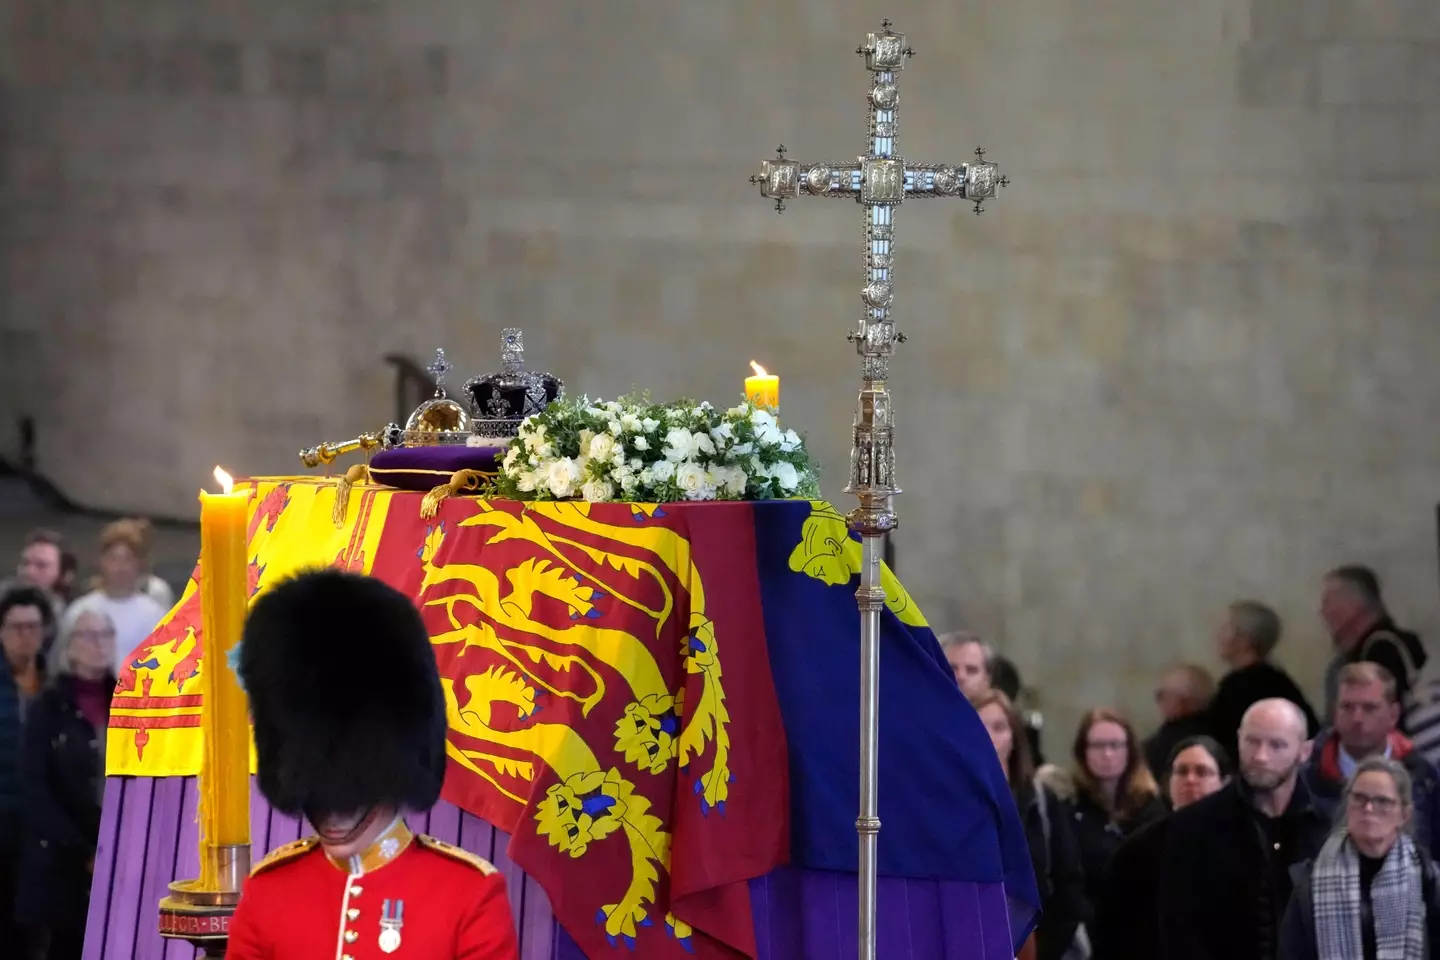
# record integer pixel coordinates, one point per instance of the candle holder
(880, 181)
(201, 917)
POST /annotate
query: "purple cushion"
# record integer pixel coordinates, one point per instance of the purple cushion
(424, 468)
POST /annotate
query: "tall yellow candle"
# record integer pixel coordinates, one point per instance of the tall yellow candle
(225, 714)
(763, 389)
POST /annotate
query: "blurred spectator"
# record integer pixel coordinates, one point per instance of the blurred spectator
(1228, 857)
(1371, 892)
(63, 782)
(1361, 629)
(1114, 793)
(124, 553)
(1182, 696)
(1125, 926)
(1053, 852)
(1366, 717)
(970, 658)
(1245, 641)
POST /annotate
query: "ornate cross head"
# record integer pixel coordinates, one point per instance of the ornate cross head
(439, 369)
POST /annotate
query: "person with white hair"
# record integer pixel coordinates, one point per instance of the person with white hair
(62, 785)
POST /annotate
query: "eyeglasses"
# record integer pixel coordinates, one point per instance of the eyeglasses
(1363, 801)
(99, 636)
(1115, 745)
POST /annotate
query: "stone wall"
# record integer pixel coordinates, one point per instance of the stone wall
(1190, 354)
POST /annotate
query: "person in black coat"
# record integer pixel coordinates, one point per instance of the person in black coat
(62, 782)
(1362, 893)
(1246, 640)
(1125, 925)
(1227, 857)
(1183, 696)
(1113, 792)
(1053, 851)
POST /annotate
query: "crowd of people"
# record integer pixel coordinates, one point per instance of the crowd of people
(57, 675)
(1246, 826)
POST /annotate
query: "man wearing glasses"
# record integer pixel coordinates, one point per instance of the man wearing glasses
(1367, 721)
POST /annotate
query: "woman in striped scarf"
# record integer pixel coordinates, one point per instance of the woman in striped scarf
(1371, 893)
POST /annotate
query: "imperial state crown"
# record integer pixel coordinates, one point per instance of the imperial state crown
(500, 401)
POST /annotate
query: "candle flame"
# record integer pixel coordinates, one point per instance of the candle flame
(227, 483)
(759, 370)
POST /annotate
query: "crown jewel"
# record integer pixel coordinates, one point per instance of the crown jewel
(439, 419)
(500, 401)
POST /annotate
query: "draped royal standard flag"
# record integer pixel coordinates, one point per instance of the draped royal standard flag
(622, 681)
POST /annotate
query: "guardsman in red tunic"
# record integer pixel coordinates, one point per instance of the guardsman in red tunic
(350, 726)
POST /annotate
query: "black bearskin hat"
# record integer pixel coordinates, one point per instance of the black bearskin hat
(345, 697)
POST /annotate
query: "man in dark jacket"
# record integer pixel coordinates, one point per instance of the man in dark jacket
(24, 617)
(1245, 642)
(1228, 856)
(1353, 609)
(1366, 717)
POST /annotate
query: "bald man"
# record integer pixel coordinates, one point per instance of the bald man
(1227, 877)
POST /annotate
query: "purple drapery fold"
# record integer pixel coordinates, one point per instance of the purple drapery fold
(812, 915)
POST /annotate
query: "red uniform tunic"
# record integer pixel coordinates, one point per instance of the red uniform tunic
(406, 896)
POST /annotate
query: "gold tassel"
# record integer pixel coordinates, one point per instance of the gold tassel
(356, 474)
(463, 481)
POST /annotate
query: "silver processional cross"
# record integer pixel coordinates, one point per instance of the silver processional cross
(880, 181)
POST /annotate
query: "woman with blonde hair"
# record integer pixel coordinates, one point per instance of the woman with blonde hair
(1053, 853)
(1114, 792)
(1371, 893)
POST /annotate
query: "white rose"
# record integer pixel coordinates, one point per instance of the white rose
(630, 483)
(637, 464)
(692, 481)
(598, 491)
(786, 476)
(723, 432)
(732, 480)
(612, 406)
(663, 470)
(562, 476)
(640, 443)
(741, 449)
(649, 424)
(544, 450)
(679, 445)
(585, 437)
(618, 455)
(630, 423)
(647, 476)
(511, 456)
(789, 441)
(601, 446)
(527, 481)
(703, 443)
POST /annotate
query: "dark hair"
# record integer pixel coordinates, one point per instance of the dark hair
(1362, 580)
(1020, 771)
(46, 536)
(1209, 745)
(1005, 677)
(28, 597)
(1137, 786)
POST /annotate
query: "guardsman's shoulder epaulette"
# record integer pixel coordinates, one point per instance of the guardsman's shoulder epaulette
(285, 854)
(456, 853)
